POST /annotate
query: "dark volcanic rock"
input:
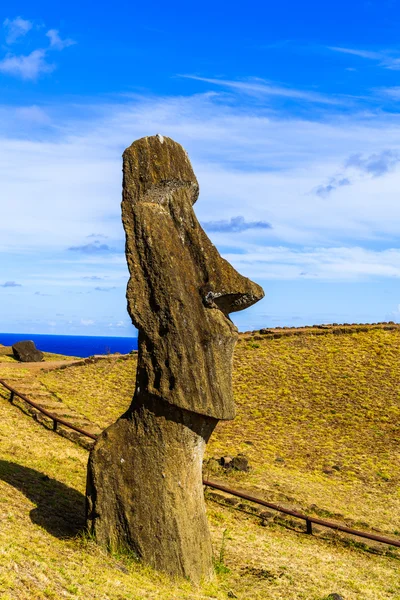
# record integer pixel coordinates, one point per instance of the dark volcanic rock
(240, 463)
(26, 351)
(144, 487)
(226, 461)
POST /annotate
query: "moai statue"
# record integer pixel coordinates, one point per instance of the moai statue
(144, 488)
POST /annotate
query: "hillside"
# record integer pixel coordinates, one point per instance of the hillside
(317, 418)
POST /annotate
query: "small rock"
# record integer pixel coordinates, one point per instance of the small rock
(279, 459)
(267, 514)
(214, 496)
(225, 461)
(26, 351)
(240, 463)
(317, 530)
(232, 501)
(336, 467)
(334, 597)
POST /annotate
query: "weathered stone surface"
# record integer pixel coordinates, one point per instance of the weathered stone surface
(240, 463)
(226, 461)
(144, 487)
(26, 351)
(180, 290)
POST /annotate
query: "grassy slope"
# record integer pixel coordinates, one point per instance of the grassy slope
(286, 391)
(305, 404)
(42, 555)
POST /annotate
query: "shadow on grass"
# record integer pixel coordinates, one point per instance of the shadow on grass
(60, 509)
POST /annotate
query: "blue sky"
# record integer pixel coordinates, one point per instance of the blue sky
(290, 113)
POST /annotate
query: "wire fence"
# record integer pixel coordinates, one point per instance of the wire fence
(211, 484)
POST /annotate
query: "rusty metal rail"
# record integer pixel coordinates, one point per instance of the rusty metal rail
(56, 419)
(309, 520)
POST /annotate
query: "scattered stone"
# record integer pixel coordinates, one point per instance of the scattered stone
(240, 463)
(226, 461)
(279, 459)
(26, 351)
(336, 467)
(334, 597)
(232, 500)
(144, 484)
(214, 496)
(317, 530)
(250, 508)
(267, 514)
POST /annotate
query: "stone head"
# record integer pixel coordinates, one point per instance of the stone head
(181, 291)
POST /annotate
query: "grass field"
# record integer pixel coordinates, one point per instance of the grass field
(317, 418)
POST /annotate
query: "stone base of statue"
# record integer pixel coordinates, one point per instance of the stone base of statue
(145, 489)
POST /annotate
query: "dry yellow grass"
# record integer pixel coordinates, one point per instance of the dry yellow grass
(305, 404)
(317, 416)
(42, 554)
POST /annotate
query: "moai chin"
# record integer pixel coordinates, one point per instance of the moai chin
(144, 489)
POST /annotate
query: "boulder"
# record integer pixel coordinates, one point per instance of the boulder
(144, 484)
(26, 351)
(239, 462)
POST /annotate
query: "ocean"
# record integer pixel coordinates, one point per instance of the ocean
(73, 345)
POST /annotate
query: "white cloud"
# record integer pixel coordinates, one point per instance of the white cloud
(392, 92)
(260, 87)
(26, 67)
(87, 322)
(30, 66)
(386, 58)
(56, 42)
(334, 264)
(16, 28)
(361, 53)
(32, 114)
(60, 190)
